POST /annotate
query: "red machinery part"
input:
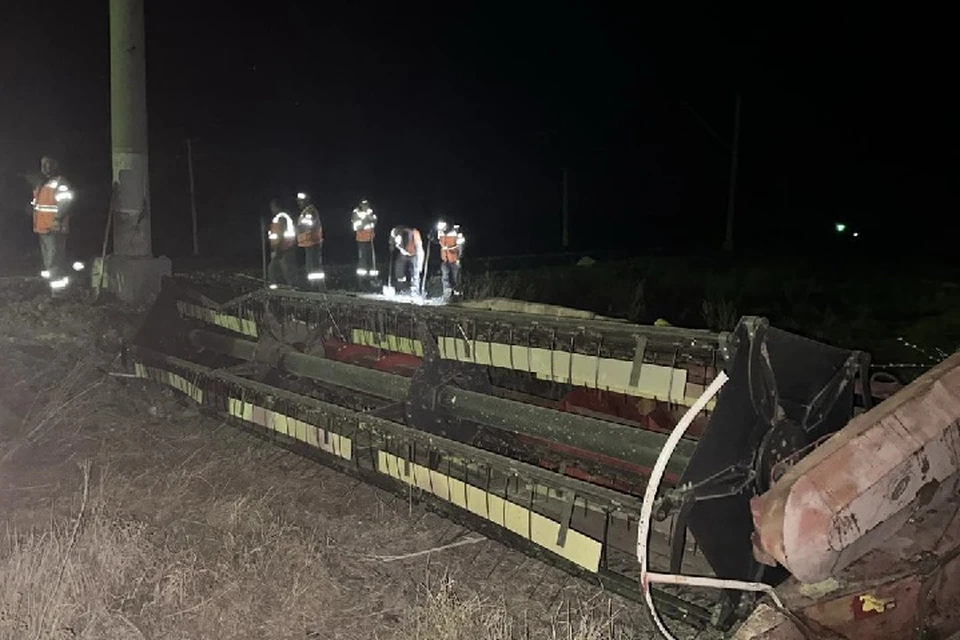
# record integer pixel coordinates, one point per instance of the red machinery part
(387, 361)
(909, 587)
(864, 483)
(639, 412)
(868, 524)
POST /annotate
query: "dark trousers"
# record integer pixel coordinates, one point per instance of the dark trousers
(283, 267)
(406, 273)
(53, 251)
(450, 276)
(314, 264)
(365, 261)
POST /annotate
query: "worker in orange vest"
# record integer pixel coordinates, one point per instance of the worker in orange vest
(283, 247)
(408, 262)
(310, 237)
(51, 222)
(451, 242)
(364, 228)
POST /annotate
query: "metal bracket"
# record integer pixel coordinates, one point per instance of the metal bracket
(433, 375)
(823, 403)
(638, 356)
(726, 482)
(394, 411)
(270, 352)
(761, 379)
(565, 519)
(728, 347)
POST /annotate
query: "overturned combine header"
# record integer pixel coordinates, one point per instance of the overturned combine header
(539, 429)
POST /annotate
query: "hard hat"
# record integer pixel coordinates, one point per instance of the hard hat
(301, 196)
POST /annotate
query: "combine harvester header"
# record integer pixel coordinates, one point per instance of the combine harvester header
(537, 429)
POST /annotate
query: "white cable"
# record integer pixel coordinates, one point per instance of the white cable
(719, 583)
(646, 511)
(643, 526)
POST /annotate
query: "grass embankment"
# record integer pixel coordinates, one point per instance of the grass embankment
(857, 307)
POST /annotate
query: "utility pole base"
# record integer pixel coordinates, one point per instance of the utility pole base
(134, 280)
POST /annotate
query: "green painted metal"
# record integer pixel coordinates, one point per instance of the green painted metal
(617, 441)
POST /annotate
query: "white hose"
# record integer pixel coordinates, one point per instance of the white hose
(643, 528)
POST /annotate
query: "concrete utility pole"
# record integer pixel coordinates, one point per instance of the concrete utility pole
(193, 199)
(132, 272)
(128, 129)
(734, 157)
(565, 238)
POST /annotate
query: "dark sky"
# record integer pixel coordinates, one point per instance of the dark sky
(471, 113)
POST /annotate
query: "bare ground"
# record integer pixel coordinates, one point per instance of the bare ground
(128, 514)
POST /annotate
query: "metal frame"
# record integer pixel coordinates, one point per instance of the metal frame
(593, 512)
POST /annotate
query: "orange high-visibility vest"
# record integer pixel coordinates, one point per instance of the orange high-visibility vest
(47, 199)
(282, 234)
(451, 243)
(363, 225)
(415, 246)
(309, 229)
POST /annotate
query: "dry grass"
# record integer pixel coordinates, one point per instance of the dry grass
(113, 578)
(67, 401)
(444, 613)
(243, 573)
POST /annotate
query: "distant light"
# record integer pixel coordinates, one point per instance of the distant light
(316, 275)
(840, 227)
(361, 272)
(856, 234)
(301, 196)
(78, 266)
(45, 274)
(273, 286)
(60, 284)
(441, 226)
(374, 272)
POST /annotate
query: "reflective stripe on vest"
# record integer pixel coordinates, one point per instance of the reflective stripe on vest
(309, 229)
(364, 222)
(282, 233)
(451, 242)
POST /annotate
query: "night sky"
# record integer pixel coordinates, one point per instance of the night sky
(472, 112)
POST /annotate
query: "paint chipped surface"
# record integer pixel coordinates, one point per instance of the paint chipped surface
(856, 490)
